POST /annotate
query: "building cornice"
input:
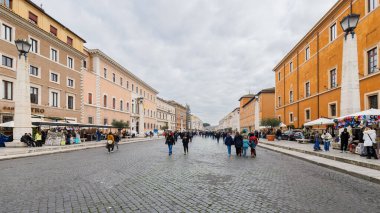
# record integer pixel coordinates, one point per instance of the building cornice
(98, 52)
(30, 27)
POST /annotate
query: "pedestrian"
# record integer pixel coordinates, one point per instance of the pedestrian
(185, 142)
(245, 145)
(110, 142)
(238, 141)
(117, 140)
(77, 137)
(170, 142)
(253, 143)
(317, 141)
(38, 139)
(344, 137)
(369, 141)
(98, 135)
(229, 142)
(326, 137)
(278, 134)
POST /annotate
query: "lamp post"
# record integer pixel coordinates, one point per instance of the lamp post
(350, 90)
(22, 113)
(140, 104)
(257, 112)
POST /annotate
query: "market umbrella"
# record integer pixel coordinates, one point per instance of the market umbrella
(320, 121)
(370, 112)
(11, 124)
(282, 125)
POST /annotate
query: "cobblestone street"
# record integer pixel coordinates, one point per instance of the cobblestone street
(141, 177)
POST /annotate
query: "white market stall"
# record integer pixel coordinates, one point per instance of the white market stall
(320, 121)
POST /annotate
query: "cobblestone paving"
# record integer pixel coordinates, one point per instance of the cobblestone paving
(141, 177)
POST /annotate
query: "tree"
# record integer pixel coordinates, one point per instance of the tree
(120, 124)
(165, 127)
(206, 124)
(272, 122)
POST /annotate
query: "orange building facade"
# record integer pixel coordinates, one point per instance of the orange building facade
(308, 79)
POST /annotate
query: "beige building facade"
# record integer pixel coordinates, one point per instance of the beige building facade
(196, 123)
(180, 115)
(165, 115)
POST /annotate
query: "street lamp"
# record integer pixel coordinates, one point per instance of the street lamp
(23, 47)
(22, 114)
(350, 22)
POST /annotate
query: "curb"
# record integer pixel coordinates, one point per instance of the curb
(64, 149)
(373, 179)
(318, 154)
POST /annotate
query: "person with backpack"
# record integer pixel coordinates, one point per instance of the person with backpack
(185, 142)
(117, 140)
(253, 141)
(238, 141)
(369, 141)
(245, 145)
(170, 142)
(110, 142)
(229, 142)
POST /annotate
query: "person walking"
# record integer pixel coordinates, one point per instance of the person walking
(229, 142)
(117, 140)
(326, 137)
(217, 137)
(344, 137)
(170, 142)
(238, 141)
(110, 142)
(245, 145)
(98, 135)
(38, 139)
(369, 141)
(185, 142)
(317, 141)
(253, 141)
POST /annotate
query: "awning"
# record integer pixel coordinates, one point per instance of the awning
(320, 121)
(370, 112)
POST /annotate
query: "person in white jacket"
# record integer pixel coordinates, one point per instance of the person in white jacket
(326, 137)
(369, 137)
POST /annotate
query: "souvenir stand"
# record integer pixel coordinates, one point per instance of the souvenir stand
(321, 124)
(355, 122)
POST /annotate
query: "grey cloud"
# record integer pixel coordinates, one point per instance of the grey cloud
(204, 53)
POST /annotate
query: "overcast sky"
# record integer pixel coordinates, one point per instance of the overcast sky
(207, 53)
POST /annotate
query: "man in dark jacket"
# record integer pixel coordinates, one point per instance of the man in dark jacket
(344, 137)
(229, 142)
(170, 142)
(238, 141)
(185, 142)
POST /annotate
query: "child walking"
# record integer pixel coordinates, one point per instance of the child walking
(253, 141)
(245, 145)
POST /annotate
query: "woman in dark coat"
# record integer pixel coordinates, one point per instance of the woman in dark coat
(229, 142)
(170, 142)
(185, 142)
(238, 141)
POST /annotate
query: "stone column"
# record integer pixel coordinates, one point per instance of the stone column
(21, 95)
(257, 114)
(140, 103)
(350, 90)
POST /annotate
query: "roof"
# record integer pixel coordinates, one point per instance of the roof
(249, 102)
(312, 30)
(247, 96)
(109, 59)
(177, 104)
(268, 90)
(43, 11)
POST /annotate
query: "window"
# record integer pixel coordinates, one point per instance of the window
(53, 30)
(105, 73)
(113, 103)
(373, 102)
(291, 118)
(332, 110)
(7, 30)
(127, 84)
(70, 102)
(70, 82)
(33, 70)
(113, 77)
(105, 121)
(54, 77)
(333, 32)
(8, 90)
(7, 61)
(307, 53)
(54, 98)
(132, 87)
(371, 5)
(84, 64)
(70, 62)
(333, 83)
(34, 45)
(90, 120)
(279, 101)
(105, 101)
(33, 18)
(307, 89)
(69, 41)
(372, 61)
(279, 76)
(291, 67)
(54, 55)
(34, 95)
(121, 105)
(141, 92)
(291, 97)
(89, 98)
(127, 106)
(121, 81)
(137, 90)
(307, 114)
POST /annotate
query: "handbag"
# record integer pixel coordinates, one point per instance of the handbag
(110, 142)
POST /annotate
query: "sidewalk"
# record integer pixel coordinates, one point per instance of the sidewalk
(13, 153)
(348, 163)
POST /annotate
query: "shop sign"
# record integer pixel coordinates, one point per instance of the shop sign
(33, 110)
